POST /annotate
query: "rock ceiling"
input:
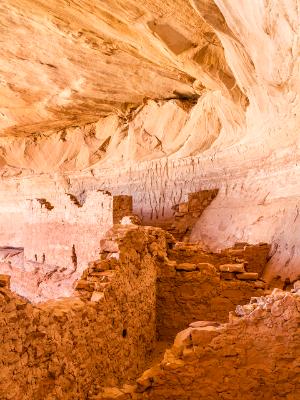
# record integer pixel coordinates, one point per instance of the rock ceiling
(68, 64)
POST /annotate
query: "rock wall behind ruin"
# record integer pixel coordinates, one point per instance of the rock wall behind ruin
(257, 202)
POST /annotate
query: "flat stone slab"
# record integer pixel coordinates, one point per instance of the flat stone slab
(227, 276)
(85, 285)
(204, 335)
(260, 285)
(247, 276)
(97, 296)
(202, 324)
(186, 267)
(232, 268)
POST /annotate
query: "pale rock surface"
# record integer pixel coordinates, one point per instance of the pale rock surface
(158, 99)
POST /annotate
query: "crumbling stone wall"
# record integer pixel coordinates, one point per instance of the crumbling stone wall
(253, 357)
(69, 348)
(122, 206)
(202, 294)
(180, 220)
(187, 214)
(256, 257)
(103, 336)
(198, 285)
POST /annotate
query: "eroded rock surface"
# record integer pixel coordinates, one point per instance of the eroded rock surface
(157, 100)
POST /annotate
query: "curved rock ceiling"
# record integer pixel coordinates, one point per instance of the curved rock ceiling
(157, 99)
(66, 65)
(79, 78)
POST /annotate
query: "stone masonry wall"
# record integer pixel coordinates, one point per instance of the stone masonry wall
(253, 357)
(256, 257)
(67, 349)
(187, 214)
(197, 285)
(184, 215)
(122, 206)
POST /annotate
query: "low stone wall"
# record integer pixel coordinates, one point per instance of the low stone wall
(253, 357)
(67, 349)
(142, 286)
(256, 256)
(199, 285)
(188, 292)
